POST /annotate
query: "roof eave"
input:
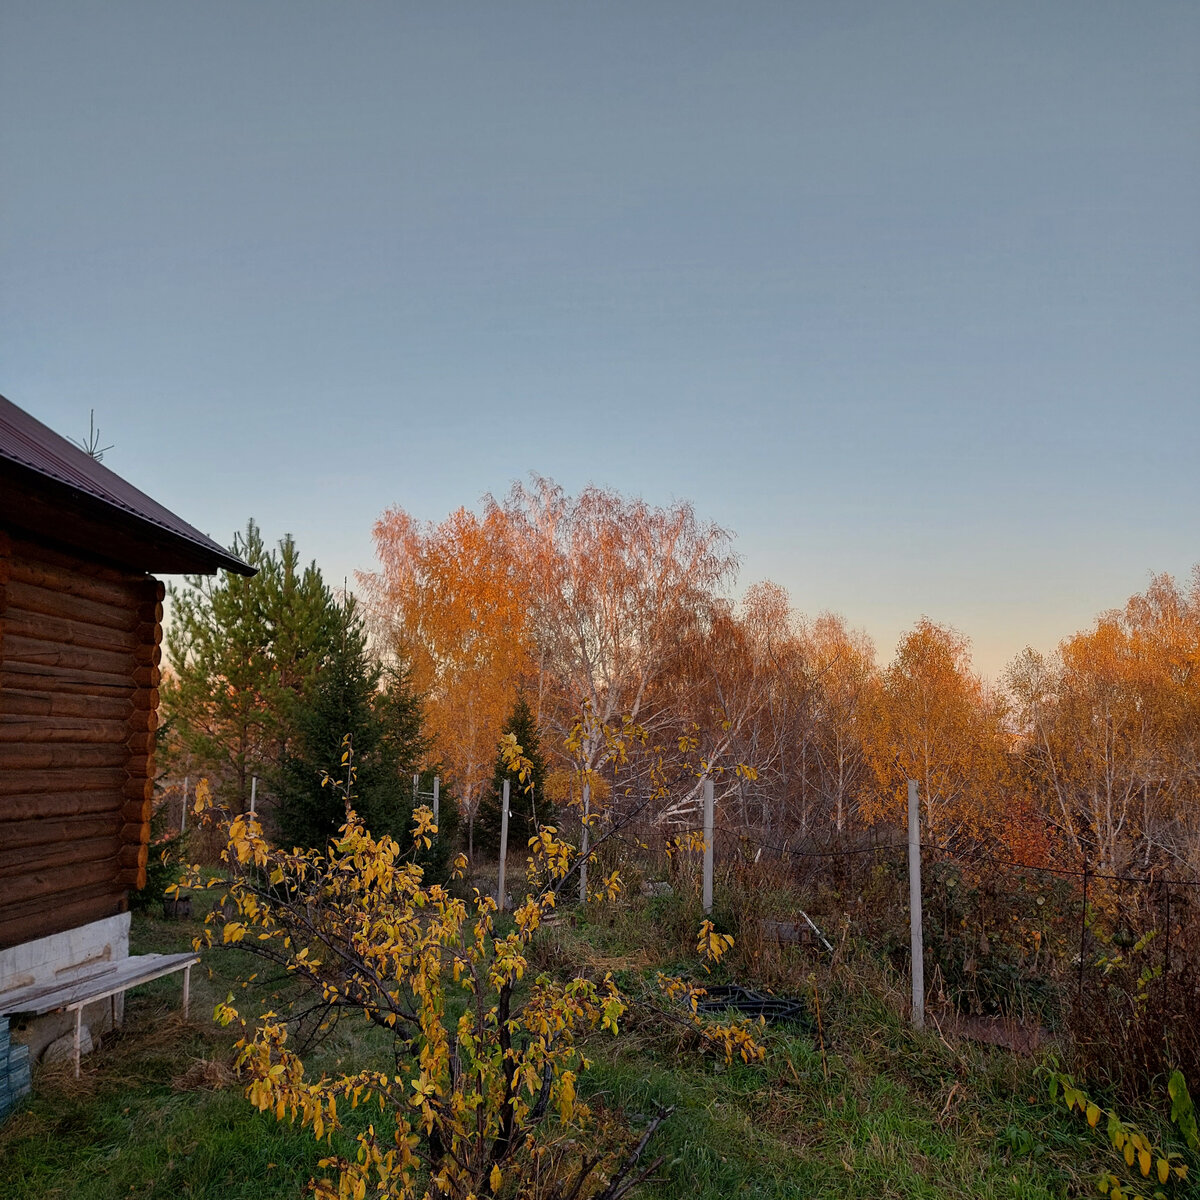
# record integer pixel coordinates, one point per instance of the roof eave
(39, 504)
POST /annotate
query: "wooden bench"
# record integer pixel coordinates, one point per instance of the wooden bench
(105, 984)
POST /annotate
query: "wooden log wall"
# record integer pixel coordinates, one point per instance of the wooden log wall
(80, 646)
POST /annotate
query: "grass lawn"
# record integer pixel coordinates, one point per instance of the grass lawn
(157, 1112)
(882, 1112)
(878, 1112)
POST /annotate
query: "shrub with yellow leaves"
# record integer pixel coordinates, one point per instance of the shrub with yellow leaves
(734, 1038)
(482, 1104)
(1154, 1164)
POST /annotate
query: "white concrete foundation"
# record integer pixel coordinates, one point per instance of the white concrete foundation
(61, 958)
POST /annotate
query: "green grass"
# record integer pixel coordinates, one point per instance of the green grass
(126, 1130)
(924, 1125)
(134, 1126)
(782, 1129)
(884, 1112)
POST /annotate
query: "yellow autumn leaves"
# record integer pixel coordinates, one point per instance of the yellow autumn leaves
(486, 1056)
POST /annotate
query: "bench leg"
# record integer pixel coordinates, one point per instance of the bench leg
(187, 979)
(78, 1023)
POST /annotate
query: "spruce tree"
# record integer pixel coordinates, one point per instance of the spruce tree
(403, 721)
(352, 694)
(341, 700)
(403, 746)
(526, 810)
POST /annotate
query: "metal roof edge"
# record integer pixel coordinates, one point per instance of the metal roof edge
(29, 444)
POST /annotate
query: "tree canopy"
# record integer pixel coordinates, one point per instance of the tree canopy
(268, 675)
(242, 652)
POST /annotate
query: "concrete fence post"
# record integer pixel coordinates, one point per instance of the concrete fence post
(708, 844)
(583, 844)
(914, 906)
(500, 894)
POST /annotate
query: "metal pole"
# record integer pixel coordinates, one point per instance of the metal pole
(583, 844)
(708, 844)
(914, 906)
(436, 793)
(183, 815)
(253, 793)
(503, 847)
(416, 782)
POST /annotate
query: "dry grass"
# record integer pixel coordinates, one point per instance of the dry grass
(205, 1075)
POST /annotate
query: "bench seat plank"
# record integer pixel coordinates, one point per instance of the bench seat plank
(127, 973)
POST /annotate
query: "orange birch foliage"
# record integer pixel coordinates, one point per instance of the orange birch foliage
(615, 585)
(1084, 735)
(935, 723)
(720, 692)
(844, 693)
(751, 713)
(591, 597)
(1107, 735)
(775, 744)
(1164, 630)
(450, 601)
(1110, 730)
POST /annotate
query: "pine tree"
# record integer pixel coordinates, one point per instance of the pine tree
(306, 623)
(268, 674)
(526, 809)
(241, 652)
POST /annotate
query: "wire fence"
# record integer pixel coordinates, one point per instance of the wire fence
(1108, 957)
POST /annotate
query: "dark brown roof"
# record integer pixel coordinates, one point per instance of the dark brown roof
(53, 489)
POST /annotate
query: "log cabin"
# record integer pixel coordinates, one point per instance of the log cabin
(81, 612)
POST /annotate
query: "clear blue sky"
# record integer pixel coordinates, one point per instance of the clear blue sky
(906, 295)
